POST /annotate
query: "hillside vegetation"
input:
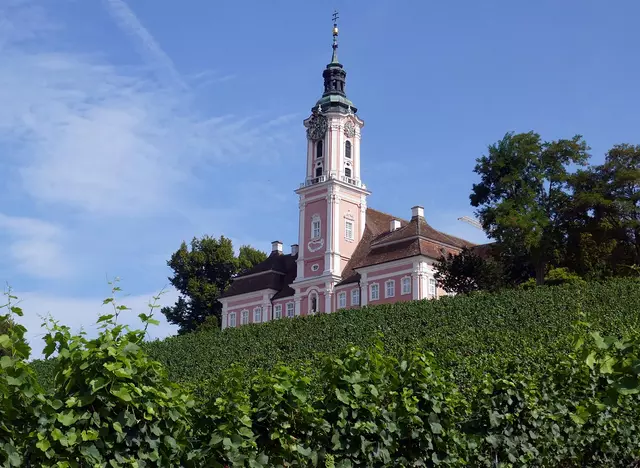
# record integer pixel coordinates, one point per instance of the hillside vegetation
(520, 378)
(515, 325)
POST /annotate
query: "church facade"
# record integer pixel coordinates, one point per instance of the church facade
(348, 255)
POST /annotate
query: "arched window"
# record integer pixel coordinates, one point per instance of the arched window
(347, 149)
(319, 149)
(313, 303)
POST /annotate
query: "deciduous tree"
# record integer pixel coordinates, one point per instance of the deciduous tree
(522, 192)
(201, 273)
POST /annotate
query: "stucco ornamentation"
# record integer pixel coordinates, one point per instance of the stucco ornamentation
(349, 129)
(315, 245)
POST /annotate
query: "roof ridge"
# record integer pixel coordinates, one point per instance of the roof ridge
(388, 214)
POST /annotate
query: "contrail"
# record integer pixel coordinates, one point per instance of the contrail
(128, 21)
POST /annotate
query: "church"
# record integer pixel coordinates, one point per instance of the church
(348, 255)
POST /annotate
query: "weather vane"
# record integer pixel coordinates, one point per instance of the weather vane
(335, 16)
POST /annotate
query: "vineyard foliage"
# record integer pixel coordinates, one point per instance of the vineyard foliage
(567, 393)
(529, 325)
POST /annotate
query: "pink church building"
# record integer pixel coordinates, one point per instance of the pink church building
(348, 255)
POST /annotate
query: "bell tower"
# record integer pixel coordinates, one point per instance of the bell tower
(332, 197)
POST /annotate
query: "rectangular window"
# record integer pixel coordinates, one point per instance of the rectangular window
(406, 285)
(232, 319)
(315, 229)
(245, 317)
(374, 292)
(348, 230)
(257, 315)
(390, 288)
(290, 310)
(277, 311)
(432, 287)
(355, 297)
(342, 300)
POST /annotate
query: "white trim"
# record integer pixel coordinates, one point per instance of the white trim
(432, 283)
(342, 297)
(402, 282)
(256, 274)
(350, 238)
(246, 304)
(371, 298)
(355, 290)
(249, 295)
(242, 315)
(386, 289)
(256, 310)
(235, 322)
(287, 309)
(383, 266)
(392, 273)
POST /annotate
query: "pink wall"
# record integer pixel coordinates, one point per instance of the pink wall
(318, 207)
(397, 297)
(348, 207)
(348, 291)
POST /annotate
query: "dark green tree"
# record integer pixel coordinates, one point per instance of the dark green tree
(201, 273)
(604, 216)
(522, 193)
(467, 272)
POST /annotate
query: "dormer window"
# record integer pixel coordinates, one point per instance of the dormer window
(347, 149)
(319, 150)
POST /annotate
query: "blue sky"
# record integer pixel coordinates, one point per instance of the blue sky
(127, 126)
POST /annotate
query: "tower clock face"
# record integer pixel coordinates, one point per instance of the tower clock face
(317, 127)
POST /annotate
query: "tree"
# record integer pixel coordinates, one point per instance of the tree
(467, 272)
(604, 216)
(201, 273)
(522, 192)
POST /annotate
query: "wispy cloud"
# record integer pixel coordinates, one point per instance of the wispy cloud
(33, 247)
(148, 46)
(105, 139)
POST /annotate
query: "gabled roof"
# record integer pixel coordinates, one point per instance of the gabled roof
(414, 237)
(272, 273)
(378, 245)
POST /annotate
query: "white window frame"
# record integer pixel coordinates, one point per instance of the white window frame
(406, 281)
(349, 226)
(316, 227)
(232, 320)
(355, 297)
(277, 311)
(432, 287)
(244, 317)
(375, 297)
(389, 287)
(342, 300)
(257, 314)
(291, 311)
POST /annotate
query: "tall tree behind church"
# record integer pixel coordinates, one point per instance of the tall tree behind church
(522, 193)
(201, 272)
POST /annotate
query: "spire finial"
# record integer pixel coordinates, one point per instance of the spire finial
(334, 57)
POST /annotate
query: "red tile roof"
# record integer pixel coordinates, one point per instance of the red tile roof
(378, 245)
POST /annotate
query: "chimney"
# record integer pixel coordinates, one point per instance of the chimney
(276, 247)
(417, 212)
(395, 224)
(294, 249)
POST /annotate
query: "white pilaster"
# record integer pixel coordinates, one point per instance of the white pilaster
(296, 300)
(225, 314)
(364, 290)
(328, 295)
